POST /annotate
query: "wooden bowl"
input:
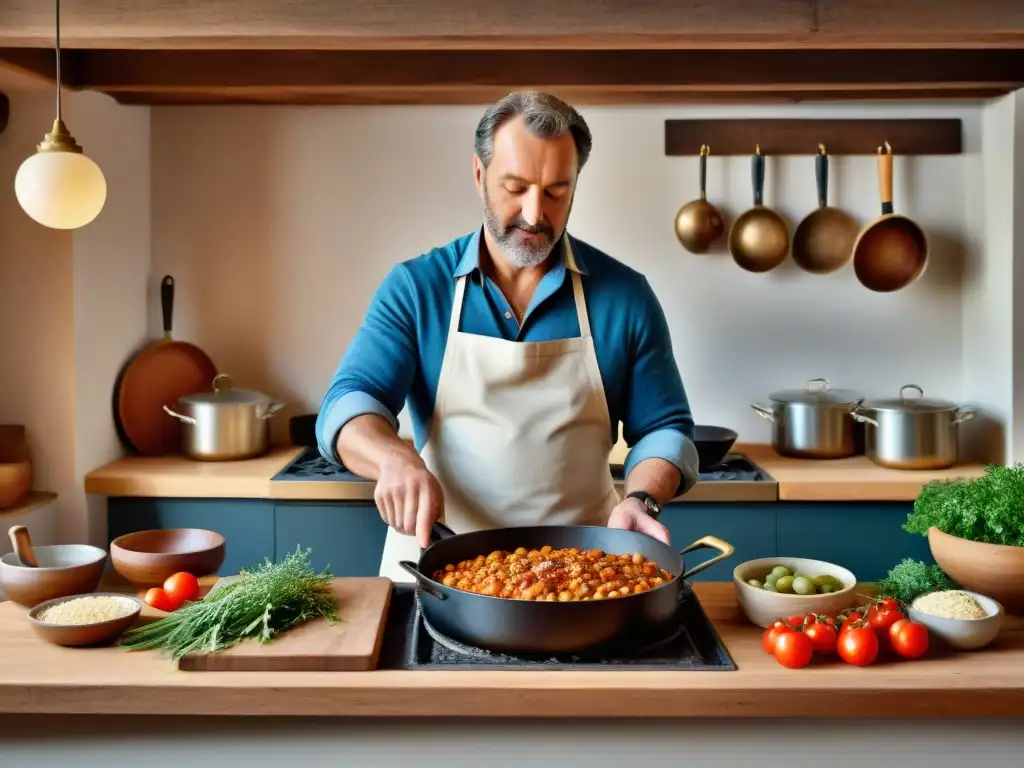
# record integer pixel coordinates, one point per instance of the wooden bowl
(98, 633)
(15, 481)
(147, 558)
(64, 569)
(762, 607)
(993, 570)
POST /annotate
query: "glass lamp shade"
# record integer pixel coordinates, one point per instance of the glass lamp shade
(60, 189)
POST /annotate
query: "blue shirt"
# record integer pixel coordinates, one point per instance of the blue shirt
(396, 354)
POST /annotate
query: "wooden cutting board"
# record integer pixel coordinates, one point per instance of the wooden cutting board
(352, 644)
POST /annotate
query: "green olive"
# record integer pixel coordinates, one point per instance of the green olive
(784, 584)
(770, 588)
(754, 583)
(826, 589)
(803, 585)
(781, 570)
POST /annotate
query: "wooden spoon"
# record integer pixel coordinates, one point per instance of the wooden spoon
(23, 545)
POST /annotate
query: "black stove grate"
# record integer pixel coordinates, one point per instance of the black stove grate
(411, 643)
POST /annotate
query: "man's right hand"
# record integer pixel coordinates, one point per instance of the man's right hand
(408, 496)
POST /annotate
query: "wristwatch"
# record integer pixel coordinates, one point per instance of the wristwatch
(653, 508)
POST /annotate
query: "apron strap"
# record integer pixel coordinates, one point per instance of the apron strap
(460, 292)
(581, 304)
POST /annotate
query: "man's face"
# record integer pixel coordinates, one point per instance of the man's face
(527, 192)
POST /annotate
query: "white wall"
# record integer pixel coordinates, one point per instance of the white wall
(279, 222)
(72, 304)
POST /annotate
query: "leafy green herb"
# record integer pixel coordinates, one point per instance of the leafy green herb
(988, 509)
(911, 578)
(261, 604)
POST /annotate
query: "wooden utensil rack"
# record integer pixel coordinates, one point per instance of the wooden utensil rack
(929, 136)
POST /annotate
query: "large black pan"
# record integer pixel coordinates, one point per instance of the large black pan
(532, 627)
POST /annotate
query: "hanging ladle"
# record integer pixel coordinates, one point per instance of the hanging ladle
(699, 223)
(22, 544)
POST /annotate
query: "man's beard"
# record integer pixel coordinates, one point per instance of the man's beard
(521, 254)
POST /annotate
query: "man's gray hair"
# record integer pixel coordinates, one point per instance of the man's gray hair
(546, 117)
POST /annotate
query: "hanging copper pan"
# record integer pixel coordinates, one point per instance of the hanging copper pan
(699, 223)
(159, 375)
(759, 238)
(823, 241)
(892, 251)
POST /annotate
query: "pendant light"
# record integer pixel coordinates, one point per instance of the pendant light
(59, 186)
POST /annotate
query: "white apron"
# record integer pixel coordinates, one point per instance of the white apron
(520, 434)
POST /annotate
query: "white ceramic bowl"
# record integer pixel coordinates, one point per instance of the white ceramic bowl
(965, 634)
(762, 607)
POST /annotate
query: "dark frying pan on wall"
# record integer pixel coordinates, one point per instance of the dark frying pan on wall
(156, 376)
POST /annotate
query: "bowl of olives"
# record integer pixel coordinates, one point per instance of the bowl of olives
(777, 587)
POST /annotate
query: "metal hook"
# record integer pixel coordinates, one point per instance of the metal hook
(705, 150)
(887, 150)
(821, 149)
(757, 149)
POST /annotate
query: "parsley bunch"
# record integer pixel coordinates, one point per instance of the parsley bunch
(988, 509)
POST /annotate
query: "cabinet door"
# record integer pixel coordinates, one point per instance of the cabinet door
(749, 527)
(867, 538)
(346, 537)
(247, 525)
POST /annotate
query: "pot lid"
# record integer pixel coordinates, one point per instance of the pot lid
(224, 393)
(817, 392)
(912, 400)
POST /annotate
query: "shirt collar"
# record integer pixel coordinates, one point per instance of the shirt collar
(471, 256)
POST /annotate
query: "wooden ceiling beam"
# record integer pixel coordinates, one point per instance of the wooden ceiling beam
(525, 24)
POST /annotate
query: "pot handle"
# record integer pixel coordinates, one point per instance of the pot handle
(422, 581)
(858, 416)
(440, 531)
(763, 412)
(272, 409)
(964, 414)
(186, 419)
(724, 548)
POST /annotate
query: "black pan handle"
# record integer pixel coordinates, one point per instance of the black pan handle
(821, 174)
(167, 303)
(423, 582)
(757, 176)
(725, 549)
(439, 532)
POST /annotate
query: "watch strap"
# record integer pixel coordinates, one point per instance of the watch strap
(653, 508)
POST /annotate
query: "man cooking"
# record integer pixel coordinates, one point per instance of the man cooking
(519, 349)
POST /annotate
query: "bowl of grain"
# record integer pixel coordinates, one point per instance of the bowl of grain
(92, 619)
(965, 620)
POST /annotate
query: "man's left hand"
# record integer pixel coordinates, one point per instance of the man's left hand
(631, 515)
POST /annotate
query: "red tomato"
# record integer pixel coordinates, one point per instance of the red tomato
(182, 587)
(793, 649)
(889, 604)
(908, 638)
(858, 645)
(884, 618)
(848, 620)
(771, 634)
(800, 620)
(157, 598)
(823, 637)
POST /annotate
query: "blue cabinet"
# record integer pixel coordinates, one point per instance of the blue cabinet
(247, 525)
(346, 537)
(867, 538)
(749, 527)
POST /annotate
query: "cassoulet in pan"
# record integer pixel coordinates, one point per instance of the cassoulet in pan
(554, 575)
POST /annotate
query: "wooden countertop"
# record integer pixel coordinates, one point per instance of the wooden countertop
(36, 677)
(853, 479)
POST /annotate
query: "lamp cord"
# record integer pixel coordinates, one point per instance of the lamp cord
(58, 58)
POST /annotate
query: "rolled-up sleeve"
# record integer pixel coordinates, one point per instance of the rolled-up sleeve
(376, 372)
(657, 421)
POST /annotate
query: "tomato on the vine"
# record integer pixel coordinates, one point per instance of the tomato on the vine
(890, 604)
(823, 637)
(908, 638)
(883, 618)
(182, 586)
(159, 599)
(848, 620)
(857, 645)
(793, 649)
(771, 634)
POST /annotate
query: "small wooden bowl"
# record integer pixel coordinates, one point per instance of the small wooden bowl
(147, 558)
(99, 633)
(64, 569)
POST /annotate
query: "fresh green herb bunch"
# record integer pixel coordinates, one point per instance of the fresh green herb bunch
(260, 604)
(911, 578)
(988, 509)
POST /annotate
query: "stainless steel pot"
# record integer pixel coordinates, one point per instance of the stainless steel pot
(914, 432)
(226, 424)
(815, 423)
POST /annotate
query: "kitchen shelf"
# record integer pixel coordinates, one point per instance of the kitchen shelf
(928, 136)
(32, 502)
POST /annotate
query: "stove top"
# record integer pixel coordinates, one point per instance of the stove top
(689, 643)
(311, 466)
